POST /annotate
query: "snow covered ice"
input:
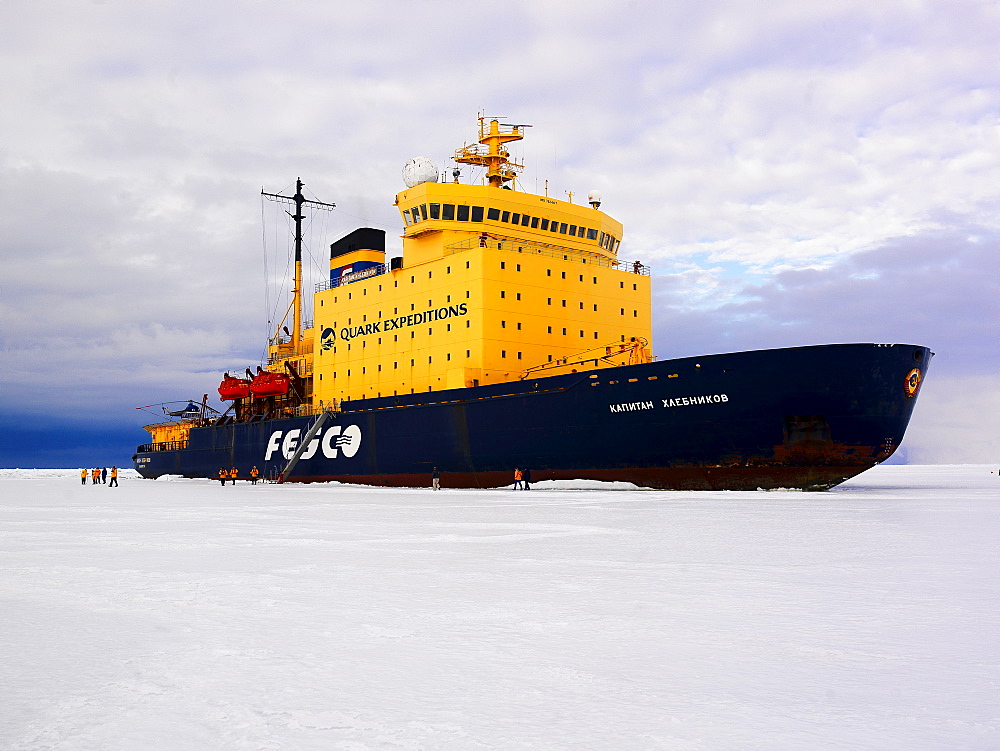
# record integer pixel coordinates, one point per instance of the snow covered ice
(178, 614)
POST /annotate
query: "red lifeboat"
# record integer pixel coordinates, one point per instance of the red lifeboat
(234, 388)
(270, 384)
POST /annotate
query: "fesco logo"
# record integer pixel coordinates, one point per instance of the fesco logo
(345, 440)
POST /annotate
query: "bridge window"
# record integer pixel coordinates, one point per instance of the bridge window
(515, 219)
(545, 224)
(406, 217)
(505, 216)
(435, 210)
(462, 213)
(591, 234)
(525, 220)
(493, 214)
(572, 229)
(534, 222)
(477, 213)
(448, 211)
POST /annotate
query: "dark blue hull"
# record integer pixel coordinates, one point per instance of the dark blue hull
(803, 417)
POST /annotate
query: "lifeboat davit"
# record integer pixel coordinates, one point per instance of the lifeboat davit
(234, 388)
(270, 384)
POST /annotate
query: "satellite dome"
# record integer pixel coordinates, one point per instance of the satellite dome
(418, 170)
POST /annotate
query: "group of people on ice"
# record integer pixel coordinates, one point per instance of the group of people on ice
(99, 476)
(234, 475)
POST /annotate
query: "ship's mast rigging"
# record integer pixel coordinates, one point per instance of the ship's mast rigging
(298, 200)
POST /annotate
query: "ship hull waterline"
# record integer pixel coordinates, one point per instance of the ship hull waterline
(801, 417)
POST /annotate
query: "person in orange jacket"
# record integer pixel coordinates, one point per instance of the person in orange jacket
(233, 474)
(95, 476)
(223, 476)
(83, 476)
(254, 474)
(114, 478)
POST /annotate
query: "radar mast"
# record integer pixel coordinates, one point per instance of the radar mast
(489, 153)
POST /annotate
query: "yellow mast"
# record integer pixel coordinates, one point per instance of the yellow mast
(298, 199)
(499, 169)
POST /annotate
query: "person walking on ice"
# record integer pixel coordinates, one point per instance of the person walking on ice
(114, 478)
(436, 479)
(517, 478)
(83, 476)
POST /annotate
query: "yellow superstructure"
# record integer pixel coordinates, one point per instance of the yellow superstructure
(494, 285)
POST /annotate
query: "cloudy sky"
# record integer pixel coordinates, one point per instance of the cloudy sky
(794, 172)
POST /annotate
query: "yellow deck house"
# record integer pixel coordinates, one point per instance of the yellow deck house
(493, 285)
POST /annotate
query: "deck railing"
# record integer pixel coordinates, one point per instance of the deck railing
(162, 446)
(546, 251)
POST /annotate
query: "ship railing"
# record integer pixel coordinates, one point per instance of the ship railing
(309, 410)
(162, 446)
(368, 273)
(303, 366)
(547, 251)
(285, 351)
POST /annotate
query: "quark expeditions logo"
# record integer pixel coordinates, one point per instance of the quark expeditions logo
(679, 401)
(327, 339)
(388, 324)
(335, 439)
(912, 384)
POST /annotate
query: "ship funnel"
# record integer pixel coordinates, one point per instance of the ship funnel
(594, 197)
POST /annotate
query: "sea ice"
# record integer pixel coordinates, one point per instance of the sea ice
(185, 615)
